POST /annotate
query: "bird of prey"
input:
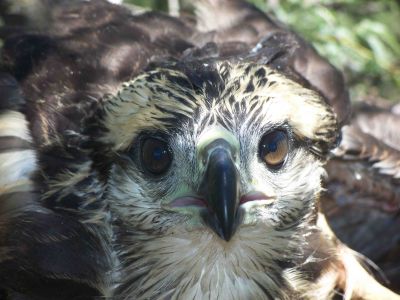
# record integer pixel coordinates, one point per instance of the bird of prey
(144, 156)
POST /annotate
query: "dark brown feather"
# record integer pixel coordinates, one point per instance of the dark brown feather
(362, 202)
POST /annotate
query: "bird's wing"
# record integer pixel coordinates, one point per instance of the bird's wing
(30, 232)
(362, 202)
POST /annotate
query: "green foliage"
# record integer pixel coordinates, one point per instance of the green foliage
(360, 37)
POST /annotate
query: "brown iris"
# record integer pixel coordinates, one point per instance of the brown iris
(156, 155)
(274, 148)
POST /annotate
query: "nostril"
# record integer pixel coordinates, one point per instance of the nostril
(253, 196)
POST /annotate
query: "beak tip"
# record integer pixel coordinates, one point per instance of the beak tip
(224, 232)
(227, 236)
(227, 230)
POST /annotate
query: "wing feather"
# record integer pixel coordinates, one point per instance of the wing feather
(362, 202)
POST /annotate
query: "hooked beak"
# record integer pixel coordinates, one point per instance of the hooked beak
(220, 187)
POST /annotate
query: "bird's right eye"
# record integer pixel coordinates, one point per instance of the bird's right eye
(156, 155)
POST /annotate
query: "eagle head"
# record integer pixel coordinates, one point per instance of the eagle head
(215, 172)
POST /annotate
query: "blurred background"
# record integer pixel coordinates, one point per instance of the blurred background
(360, 37)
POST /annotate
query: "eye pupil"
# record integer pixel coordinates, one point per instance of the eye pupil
(274, 148)
(156, 155)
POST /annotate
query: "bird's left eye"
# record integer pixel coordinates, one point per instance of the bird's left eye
(274, 148)
(156, 155)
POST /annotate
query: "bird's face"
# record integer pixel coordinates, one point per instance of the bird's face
(229, 157)
(216, 156)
